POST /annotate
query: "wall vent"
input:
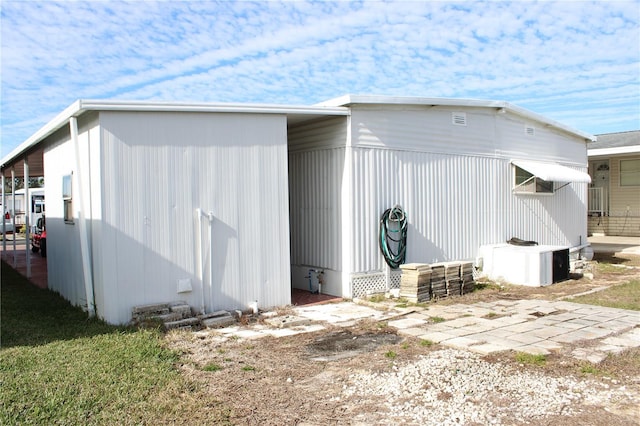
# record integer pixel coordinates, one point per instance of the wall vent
(529, 130)
(459, 118)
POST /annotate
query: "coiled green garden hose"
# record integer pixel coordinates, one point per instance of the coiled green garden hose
(393, 236)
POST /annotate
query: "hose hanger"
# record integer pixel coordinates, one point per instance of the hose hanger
(393, 236)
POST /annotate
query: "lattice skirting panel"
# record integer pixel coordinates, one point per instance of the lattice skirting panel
(373, 282)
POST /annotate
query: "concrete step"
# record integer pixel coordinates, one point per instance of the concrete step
(183, 323)
(150, 310)
(217, 319)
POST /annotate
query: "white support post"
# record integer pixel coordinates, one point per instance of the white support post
(4, 212)
(82, 225)
(13, 196)
(27, 214)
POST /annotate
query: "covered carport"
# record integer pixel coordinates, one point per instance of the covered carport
(25, 162)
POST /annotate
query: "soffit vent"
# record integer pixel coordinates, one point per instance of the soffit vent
(459, 118)
(529, 130)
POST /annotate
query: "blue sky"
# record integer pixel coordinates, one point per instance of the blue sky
(574, 62)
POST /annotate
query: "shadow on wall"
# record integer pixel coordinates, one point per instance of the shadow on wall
(566, 201)
(421, 249)
(128, 272)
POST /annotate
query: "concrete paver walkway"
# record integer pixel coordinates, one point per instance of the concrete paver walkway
(532, 326)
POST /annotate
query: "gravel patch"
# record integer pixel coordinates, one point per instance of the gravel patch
(453, 387)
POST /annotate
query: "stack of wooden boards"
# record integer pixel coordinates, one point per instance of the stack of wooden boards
(421, 282)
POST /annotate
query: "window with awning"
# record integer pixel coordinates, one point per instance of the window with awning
(536, 177)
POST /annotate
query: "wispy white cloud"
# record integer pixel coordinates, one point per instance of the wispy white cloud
(575, 62)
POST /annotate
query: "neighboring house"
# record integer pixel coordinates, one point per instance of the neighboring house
(614, 193)
(224, 205)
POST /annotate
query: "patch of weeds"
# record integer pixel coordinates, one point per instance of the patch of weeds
(488, 285)
(490, 315)
(382, 325)
(589, 369)
(426, 342)
(228, 360)
(437, 319)
(405, 345)
(401, 305)
(221, 350)
(212, 367)
(248, 368)
(391, 355)
(535, 359)
(377, 298)
(249, 347)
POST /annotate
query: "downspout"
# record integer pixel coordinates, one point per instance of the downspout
(200, 261)
(210, 218)
(27, 205)
(82, 226)
(209, 231)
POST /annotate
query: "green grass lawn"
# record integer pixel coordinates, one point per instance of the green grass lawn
(623, 296)
(58, 367)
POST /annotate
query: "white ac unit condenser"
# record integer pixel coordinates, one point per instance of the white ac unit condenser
(533, 266)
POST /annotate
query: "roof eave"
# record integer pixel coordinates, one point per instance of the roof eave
(80, 106)
(632, 149)
(348, 100)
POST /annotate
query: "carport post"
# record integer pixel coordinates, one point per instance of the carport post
(82, 225)
(27, 210)
(13, 196)
(4, 220)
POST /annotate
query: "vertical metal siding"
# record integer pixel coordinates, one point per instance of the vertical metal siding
(316, 166)
(455, 182)
(487, 133)
(315, 184)
(64, 264)
(454, 204)
(158, 169)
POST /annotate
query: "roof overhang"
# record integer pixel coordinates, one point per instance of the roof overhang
(552, 172)
(622, 150)
(31, 151)
(501, 106)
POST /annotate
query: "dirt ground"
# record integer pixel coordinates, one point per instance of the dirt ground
(299, 379)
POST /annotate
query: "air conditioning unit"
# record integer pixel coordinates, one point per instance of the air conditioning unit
(533, 266)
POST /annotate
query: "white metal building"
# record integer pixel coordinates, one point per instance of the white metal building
(450, 163)
(222, 205)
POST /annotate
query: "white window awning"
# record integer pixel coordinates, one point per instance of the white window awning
(552, 172)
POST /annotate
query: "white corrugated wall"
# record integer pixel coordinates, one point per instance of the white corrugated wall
(64, 261)
(454, 204)
(316, 169)
(158, 169)
(455, 182)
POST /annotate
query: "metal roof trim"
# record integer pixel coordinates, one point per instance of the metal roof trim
(349, 100)
(157, 106)
(80, 106)
(632, 149)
